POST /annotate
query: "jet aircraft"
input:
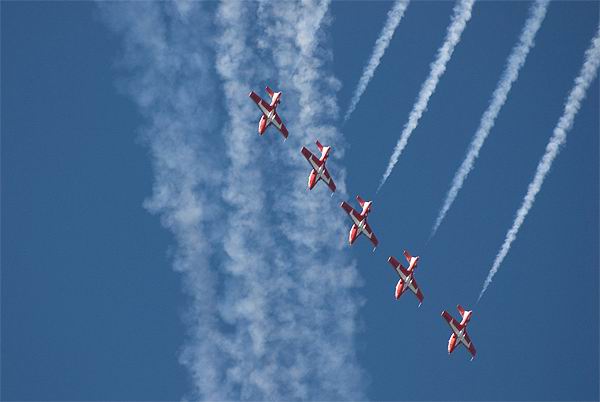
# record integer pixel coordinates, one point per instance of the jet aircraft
(269, 112)
(319, 170)
(360, 221)
(459, 331)
(407, 279)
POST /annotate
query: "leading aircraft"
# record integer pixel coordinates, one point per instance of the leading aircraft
(360, 221)
(319, 171)
(459, 331)
(269, 112)
(407, 279)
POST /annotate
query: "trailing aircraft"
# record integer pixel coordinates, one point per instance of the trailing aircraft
(407, 280)
(459, 330)
(359, 220)
(319, 170)
(269, 112)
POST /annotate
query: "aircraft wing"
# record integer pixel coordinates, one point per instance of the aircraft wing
(351, 211)
(264, 107)
(315, 163)
(402, 273)
(328, 180)
(279, 124)
(414, 287)
(469, 345)
(454, 325)
(369, 233)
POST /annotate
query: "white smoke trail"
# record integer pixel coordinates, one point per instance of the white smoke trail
(461, 15)
(165, 53)
(559, 136)
(291, 342)
(273, 313)
(514, 64)
(393, 19)
(293, 34)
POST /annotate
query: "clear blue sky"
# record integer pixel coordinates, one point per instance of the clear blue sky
(91, 305)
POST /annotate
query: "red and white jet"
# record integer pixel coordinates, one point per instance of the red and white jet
(269, 112)
(459, 331)
(360, 221)
(319, 171)
(407, 279)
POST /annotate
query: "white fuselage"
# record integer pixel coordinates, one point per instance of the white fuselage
(320, 170)
(361, 224)
(460, 334)
(407, 279)
(274, 103)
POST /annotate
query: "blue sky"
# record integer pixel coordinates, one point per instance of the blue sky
(155, 247)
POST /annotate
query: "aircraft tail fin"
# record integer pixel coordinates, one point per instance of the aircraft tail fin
(461, 310)
(269, 91)
(360, 200)
(319, 146)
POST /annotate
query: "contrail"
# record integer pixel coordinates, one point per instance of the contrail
(460, 17)
(393, 19)
(514, 64)
(559, 136)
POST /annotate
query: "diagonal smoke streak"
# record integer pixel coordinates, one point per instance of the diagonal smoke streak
(515, 62)
(559, 136)
(461, 15)
(393, 19)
